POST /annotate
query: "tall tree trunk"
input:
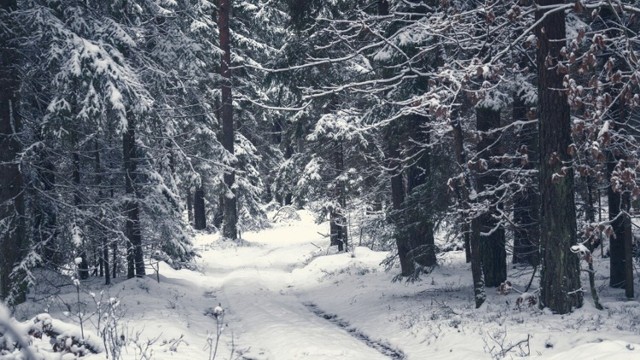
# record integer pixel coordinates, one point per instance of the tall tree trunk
(461, 193)
(114, 259)
(104, 244)
(616, 241)
(479, 292)
(589, 208)
(337, 219)
(407, 267)
(135, 259)
(218, 217)
(526, 204)
(12, 237)
(471, 231)
(492, 238)
(621, 241)
(560, 274)
(45, 218)
(190, 208)
(628, 246)
(420, 223)
(230, 225)
(199, 211)
(83, 267)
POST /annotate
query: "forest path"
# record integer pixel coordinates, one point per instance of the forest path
(262, 299)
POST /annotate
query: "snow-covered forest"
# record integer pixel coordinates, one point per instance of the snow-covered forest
(319, 179)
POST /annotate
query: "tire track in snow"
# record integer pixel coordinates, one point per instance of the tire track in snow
(382, 347)
(274, 325)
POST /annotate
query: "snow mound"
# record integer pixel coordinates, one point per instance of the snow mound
(619, 350)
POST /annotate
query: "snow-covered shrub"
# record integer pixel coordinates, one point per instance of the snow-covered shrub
(285, 214)
(16, 338)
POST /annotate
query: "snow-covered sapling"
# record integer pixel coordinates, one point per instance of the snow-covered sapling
(585, 254)
(218, 314)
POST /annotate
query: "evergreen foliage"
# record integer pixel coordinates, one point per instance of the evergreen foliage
(124, 122)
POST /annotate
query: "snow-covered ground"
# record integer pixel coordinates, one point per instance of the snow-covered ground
(286, 297)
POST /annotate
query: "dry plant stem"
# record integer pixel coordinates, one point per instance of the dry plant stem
(79, 312)
(219, 326)
(592, 285)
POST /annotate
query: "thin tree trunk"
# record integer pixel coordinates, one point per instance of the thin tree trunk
(45, 219)
(479, 293)
(114, 259)
(617, 240)
(83, 267)
(628, 245)
(135, 259)
(230, 225)
(621, 242)
(492, 244)
(560, 273)
(526, 204)
(589, 209)
(104, 257)
(461, 159)
(190, 208)
(338, 221)
(472, 231)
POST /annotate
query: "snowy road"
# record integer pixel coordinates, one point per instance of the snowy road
(268, 318)
(274, 325)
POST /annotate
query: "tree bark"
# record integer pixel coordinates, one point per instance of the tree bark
(190, 217)
(492, 239)
(12, 237)
(407, 267)
(461, 159)
(83, 267)
(199, 211)
(337, 220)
(104, 257)
(45, 218)
(560, 273)
(218, 217)
(526, 204)
(420, 223)
(616, 241)
(135, 259)
(230, 225)
(621, 241)
(479, 292)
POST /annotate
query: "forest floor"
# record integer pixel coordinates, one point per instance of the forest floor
(287, 296)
